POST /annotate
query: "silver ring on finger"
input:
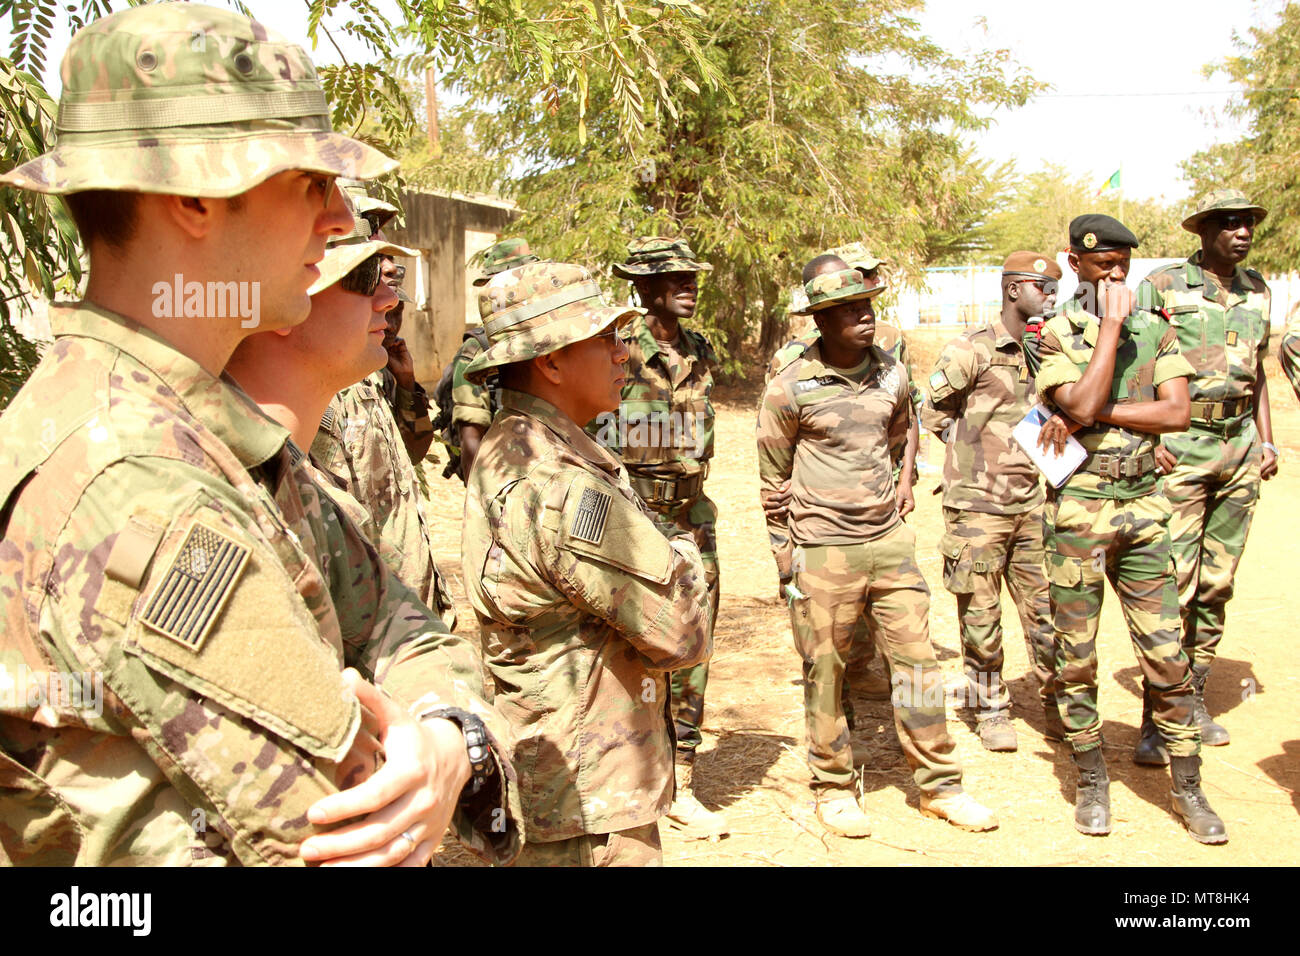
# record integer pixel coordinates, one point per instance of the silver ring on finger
(405, 835)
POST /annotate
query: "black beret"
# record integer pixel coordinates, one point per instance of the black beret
(1093, 232)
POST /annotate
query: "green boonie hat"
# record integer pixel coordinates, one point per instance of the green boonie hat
(346, 252)
(1222, 200)
(364, 202)
(834, 288)
(856, 256)
(503, 255)
(654, 255)
(539, 308)
(191, 100)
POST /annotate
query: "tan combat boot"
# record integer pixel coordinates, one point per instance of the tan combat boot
(840, 812)
(960, 809)
(687, 814)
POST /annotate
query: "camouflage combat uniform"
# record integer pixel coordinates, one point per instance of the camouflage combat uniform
(992, 509)
(218, 595)
(584, 603)
(1109, 521)
(359, 442)
(157, 537)
(472, 404)
(410, 408)
(664, 433)
(1223, 332)
(826, 430)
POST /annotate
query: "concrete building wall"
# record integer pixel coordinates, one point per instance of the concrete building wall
(447, 228)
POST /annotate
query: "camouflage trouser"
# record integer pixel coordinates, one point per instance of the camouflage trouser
(688, 685)
(1089, 540)
(1213, 493)
(636, 847)
(839, 582)
(979, 552)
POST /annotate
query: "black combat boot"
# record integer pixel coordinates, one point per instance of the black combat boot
(1190, 804)
(1092, 794)
(1150, 750)
(1212, 734)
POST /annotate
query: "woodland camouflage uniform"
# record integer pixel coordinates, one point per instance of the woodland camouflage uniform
(1223, 331)
(992, 510)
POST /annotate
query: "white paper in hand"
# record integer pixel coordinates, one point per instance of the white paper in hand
(1055, 468)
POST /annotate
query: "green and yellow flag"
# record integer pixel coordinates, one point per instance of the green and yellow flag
(1110, 184)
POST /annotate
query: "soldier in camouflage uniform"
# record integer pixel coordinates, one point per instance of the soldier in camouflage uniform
(1123, 381)
(1290, 349)
(159, 539)
(359, 442)
(407, 399)
(1220, 312)
(827, 424)
(472, 408)
(663, 430)
(586, 600)
(299, 372)
(859, 676)
(992, 501)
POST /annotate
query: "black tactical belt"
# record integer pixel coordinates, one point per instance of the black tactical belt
(669, 493)
(1219, 412)
(1119, 466)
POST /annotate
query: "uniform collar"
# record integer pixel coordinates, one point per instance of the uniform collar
(815, 366)
(650, 346)
(219, 403)
(1194, 274)
(564, 427)
(1086, 322)
(1001, 337)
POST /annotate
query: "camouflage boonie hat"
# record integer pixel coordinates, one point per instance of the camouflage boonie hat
(503, 255)
(191, 100)
(834, 288)
(346, 252)
(363, 202)
(654, 255)
(856, 256)
(540, 308)
(1222, 200)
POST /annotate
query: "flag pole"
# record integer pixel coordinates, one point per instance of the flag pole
(1121, 192)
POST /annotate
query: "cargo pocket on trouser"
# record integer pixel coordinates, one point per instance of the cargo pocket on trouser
(958, 564)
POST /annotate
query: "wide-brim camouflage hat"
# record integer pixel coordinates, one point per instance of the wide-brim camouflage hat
(539, 308)
(856, 256)
(384, 212)
(502, 256)
(189, 100)
(835, 288)
(1222, 200)
(345, 253)
(655, 255)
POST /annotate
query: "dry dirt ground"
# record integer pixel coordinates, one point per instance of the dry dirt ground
(752, 766)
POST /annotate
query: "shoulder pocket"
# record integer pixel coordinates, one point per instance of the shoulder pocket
(599, 522)
(220, 616)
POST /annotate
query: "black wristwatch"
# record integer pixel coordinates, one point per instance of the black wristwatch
(477, 747)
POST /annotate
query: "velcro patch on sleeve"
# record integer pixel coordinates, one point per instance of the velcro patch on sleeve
(589, 520)
(196, 586)
(939, 380)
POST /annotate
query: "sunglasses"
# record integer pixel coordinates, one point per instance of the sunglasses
(363, 279)
(399, 274)
(1235, 221)
(1045, 286)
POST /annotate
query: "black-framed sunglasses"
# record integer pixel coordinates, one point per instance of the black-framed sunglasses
(363, 278)
(1045, 286)
(399, 274)
(1235, 220)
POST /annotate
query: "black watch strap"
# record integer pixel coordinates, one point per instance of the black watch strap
(477, 746)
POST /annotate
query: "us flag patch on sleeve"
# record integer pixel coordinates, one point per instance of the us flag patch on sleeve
(589, 522)
(196, 586)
